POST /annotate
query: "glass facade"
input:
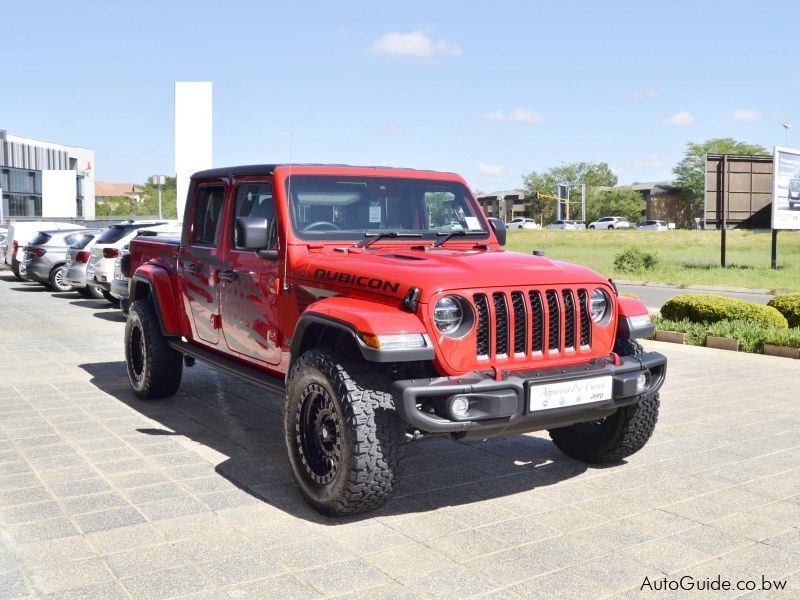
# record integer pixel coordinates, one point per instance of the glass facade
(22, 192)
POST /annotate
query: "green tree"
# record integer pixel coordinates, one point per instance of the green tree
(690, 171)
(619, 202)
(593, 175)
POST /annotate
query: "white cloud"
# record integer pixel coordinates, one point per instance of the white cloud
(494, 170)
(643, 94)
(519, 115)
(744, 114)
(681, 119)
(650, 161)
(414, 44)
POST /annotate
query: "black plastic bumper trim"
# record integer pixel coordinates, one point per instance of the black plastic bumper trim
(496, 413)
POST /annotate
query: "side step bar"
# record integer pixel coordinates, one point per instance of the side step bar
(243, 372)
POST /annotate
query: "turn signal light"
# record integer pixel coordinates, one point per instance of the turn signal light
(110, 253)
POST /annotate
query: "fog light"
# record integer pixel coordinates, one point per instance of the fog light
(459, 406)
(641, 382)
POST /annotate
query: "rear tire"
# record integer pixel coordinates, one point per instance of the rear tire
(345, 442)
(57, 281)
(91, 292)
(619, 435)
(107, 295)
(154, 368)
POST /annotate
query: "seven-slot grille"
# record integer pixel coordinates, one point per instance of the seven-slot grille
(529, 323)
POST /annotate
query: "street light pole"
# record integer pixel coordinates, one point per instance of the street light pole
(787, 127)
(158, 181)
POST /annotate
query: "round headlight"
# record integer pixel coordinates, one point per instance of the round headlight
(599, 305)
(448, 314)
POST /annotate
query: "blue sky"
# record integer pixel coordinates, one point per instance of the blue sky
(489, 90)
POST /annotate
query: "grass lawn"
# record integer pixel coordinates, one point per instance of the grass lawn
(687, 257)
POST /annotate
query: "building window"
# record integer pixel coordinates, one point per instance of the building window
(21, 205)
(79, 198)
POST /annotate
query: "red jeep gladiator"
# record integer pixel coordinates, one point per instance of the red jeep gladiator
(380, 302)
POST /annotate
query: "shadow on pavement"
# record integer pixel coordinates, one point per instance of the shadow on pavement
(116, 316)
(30, 287)
(95, 304)
(245, 424)
(67, 295)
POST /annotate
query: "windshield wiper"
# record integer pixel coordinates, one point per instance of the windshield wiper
(452, 234)
(371, 238)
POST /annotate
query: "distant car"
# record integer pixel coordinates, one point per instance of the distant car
(562, 224)
(45, 256)
(522, 223)
(100, 270)
(21, 232)
(654, 225)
(610, 223)
(77, 259)
(118, 288)
(793, 193)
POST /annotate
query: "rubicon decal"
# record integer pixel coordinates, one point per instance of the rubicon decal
(373, 283)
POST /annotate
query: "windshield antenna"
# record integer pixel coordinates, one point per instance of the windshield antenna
(286, 287)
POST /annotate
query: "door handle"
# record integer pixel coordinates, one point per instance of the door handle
(228, 275)
(191, 267)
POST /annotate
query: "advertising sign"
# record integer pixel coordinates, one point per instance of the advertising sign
(786, 189)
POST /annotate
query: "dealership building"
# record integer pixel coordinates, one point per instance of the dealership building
(45, 180)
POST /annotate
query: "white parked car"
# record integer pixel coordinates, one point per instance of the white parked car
(20, 232)
(610, 223)
(522, 223)
(100, 270)
(562, 224)
(654, 225)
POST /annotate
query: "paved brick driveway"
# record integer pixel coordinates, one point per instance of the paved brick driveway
(104, 496)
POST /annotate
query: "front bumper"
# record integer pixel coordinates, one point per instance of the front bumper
(501, 407)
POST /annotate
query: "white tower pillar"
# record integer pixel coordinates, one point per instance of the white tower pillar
(192, 134)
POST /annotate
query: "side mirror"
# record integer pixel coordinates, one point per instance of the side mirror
(499, 228)
(253, 233)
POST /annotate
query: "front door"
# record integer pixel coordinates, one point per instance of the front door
(199, 261)
(249, 283)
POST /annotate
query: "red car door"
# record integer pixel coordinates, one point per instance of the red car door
(199, 261)
(248, 291)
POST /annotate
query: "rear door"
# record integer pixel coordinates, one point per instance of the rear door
(248, 283)
(199, 261)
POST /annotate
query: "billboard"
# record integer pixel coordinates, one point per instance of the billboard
(738, 191)
(786, 189)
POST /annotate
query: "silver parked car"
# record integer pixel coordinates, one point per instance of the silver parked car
(45, 256)
(77, 259)
(563, 224)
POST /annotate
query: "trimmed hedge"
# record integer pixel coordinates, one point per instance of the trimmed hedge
(789, 306)
(751, 336)
(709, 308)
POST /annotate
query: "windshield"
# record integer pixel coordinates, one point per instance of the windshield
(337, 208)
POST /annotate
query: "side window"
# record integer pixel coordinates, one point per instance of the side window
(207, 214)
(254, 200)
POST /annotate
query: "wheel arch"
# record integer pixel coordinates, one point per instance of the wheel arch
(154, 284)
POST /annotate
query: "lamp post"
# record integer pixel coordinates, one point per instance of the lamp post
(787, 127)
(159, 181)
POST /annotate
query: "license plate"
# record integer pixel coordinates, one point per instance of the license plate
(564, 394)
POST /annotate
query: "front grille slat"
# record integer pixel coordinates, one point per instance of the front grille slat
(537, 322)
(586, 328)
(553, 321)
(520, 323)
(569, 319)
(482, 328)
(501, 324)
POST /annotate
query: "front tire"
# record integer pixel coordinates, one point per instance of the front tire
(91, 292)
(154, 368)
(619, 435)
(344, 439)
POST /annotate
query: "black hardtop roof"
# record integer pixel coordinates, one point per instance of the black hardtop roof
(267, 169)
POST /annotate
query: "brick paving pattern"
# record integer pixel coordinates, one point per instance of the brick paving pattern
(106, 496)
